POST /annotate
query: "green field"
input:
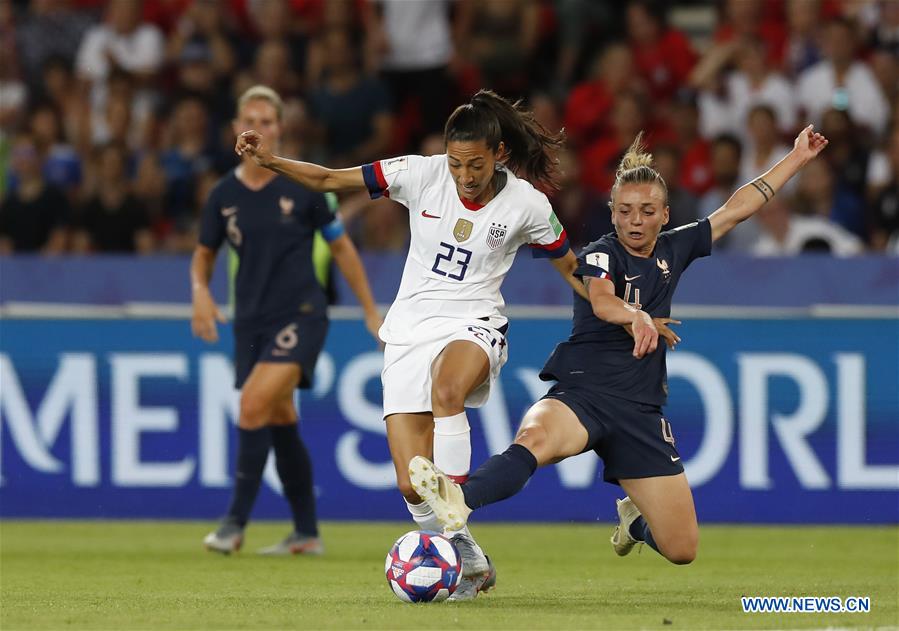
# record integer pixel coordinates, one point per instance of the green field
(155, 575)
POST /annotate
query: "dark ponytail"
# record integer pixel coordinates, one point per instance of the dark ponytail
(530, 149)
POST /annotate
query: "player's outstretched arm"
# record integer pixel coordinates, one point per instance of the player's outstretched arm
(312, 176)
(566, 265)
(347, 259)
(610, 308)
(204, 313)
(750, 197)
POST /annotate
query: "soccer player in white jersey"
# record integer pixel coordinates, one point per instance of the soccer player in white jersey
(470, 210)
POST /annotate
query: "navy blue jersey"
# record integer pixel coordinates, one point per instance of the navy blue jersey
(600, 353)
(272, 231)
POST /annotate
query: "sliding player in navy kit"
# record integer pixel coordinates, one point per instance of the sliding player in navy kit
(280, 319)
(610, 388)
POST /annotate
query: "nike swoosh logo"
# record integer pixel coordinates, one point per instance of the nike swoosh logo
(673, 459)
(630, 278)
(424, 213)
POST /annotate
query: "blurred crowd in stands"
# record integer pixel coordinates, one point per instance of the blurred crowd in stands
(116, 116)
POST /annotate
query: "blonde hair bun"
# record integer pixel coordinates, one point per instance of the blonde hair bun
(636, 168)
(636, 156)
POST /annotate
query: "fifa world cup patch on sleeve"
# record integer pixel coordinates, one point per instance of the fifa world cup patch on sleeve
(555, 223)
(394, 165)
(598, 259)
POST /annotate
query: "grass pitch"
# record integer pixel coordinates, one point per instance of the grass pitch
(155, 575)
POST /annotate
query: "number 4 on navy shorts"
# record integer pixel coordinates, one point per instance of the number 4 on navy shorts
(633, 439)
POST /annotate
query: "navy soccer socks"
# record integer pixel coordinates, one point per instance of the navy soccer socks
(502, 476)
(640, 531)
(295, 470)
(252, 452)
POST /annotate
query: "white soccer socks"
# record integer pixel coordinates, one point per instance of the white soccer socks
(424, 517)
(452, 446)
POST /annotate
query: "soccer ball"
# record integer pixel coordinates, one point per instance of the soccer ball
(423, 567)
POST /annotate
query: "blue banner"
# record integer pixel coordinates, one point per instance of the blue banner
(771, 282)
(779, 421)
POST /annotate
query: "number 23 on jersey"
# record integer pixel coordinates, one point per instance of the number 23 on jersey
(452, 262)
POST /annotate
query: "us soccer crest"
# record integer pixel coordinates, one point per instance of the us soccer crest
(286, 205)
(496, 235)
(663, 266)
(462, 230)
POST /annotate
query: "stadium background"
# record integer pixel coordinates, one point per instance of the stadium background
(115, 122)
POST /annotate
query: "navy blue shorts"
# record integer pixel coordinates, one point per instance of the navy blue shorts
(295, 340)
(633, 439)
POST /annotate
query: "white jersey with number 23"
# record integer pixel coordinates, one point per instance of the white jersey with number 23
(459, 251)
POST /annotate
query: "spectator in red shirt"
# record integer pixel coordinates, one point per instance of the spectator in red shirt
(695, 151)
(599, 161)
(662, 54)
(590, 102)
(753, 18)
(682, 204)
(584, 213)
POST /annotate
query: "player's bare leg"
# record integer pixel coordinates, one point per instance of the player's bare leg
(409, 435)
(552, 432)
(267, 384)
(294, 468)
(666, 504)
(459, 368)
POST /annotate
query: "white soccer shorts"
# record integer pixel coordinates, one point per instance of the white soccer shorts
(407, 368)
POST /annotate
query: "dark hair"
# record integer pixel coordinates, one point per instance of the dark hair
(844, 21)
(530, 149)
(113, 145)
(55, 61)
(42, 104)
(816, 245)
(729, 140)
(762, 108)
(655, 9)
(636, 167)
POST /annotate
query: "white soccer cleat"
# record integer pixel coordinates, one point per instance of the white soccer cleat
(295, 543)
(470, 587)
(478, 573)
(622, 540)
(474, 561)
(444, 496)
(226, 539)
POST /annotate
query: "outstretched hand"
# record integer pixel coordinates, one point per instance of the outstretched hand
(254, 145)
(671, 338)
(809, 144)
